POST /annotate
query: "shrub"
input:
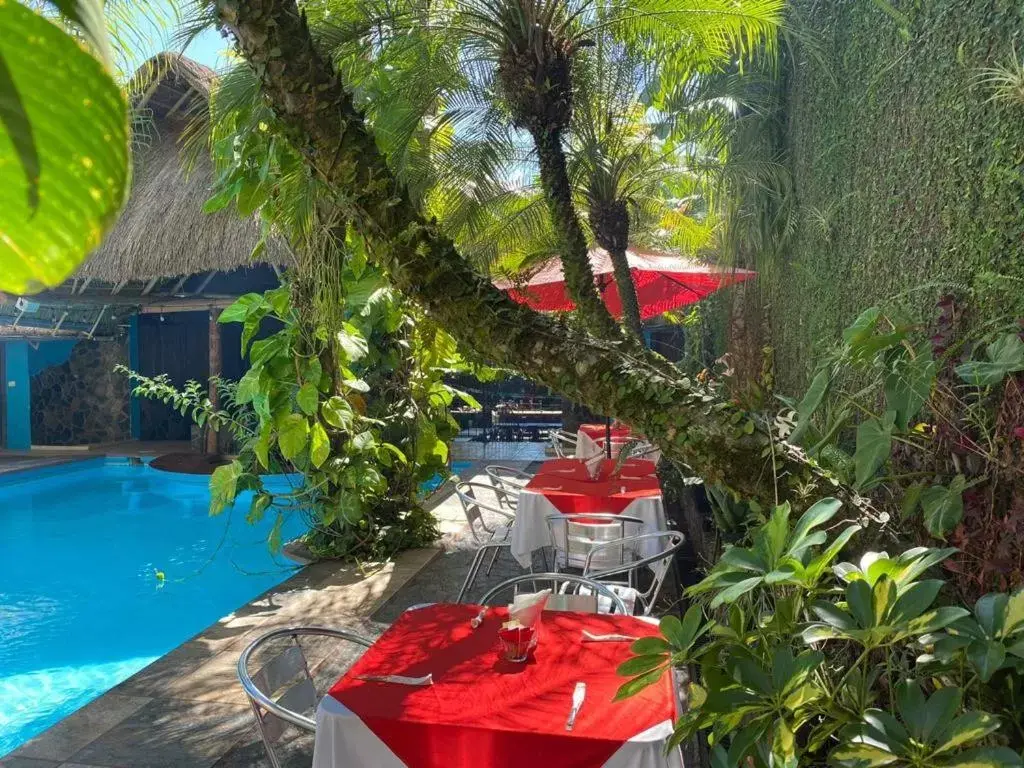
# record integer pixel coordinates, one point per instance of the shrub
(806, 661)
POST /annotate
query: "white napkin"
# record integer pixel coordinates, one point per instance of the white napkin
(398, 679)
(590, 637)
(526, 608)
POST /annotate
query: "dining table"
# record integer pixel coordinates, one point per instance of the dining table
(591, 439)
(481, 710)
(564, 486)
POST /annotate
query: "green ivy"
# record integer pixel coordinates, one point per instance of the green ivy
(908, 175)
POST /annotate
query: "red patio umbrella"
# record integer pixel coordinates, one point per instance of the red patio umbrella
(663, 282)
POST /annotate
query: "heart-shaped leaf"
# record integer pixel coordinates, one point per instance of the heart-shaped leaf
(874, 443)
(943, 507)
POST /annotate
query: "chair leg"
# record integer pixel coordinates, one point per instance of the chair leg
(267, 746)
(494, 557)
(471, 576)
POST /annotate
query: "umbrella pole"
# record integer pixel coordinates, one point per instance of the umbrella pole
(608, 436)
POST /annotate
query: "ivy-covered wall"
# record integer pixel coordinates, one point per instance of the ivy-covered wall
(908, 175)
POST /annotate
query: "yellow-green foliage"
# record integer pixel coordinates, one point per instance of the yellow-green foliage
(908, 166)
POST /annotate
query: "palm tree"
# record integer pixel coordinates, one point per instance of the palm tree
(324, 115)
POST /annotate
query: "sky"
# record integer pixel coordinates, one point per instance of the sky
(155, 33)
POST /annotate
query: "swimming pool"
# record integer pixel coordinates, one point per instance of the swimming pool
(81, 606)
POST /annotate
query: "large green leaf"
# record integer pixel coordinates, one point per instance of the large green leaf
(908, 386)
(224, 486)
(969, 727)
(987, 656)
(810, 402)
(862, 328)
(1005, 355)
(352, 342)
(308, 398)
(819, 513)
(943, 507)
(293, 434)
(63, 151)
(319, 445)
(874, 443)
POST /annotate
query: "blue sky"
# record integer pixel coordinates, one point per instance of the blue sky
(208, 48)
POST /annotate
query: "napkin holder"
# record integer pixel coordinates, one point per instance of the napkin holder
(519, 636)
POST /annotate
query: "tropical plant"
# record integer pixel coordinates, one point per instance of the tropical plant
(363, 440)
(60, 191)
(362, 192)
(925, 421)
(808, 662)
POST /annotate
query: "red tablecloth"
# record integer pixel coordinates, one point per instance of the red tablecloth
(572, 496)
(482, 711)
(600, 431)
(577, 468)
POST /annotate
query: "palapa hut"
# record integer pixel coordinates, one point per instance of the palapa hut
(148, 297)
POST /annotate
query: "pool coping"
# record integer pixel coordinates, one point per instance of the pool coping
(176, 710)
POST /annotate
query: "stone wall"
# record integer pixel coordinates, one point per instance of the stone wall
(82, 401)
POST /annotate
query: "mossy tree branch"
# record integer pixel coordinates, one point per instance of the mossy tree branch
(693, 427)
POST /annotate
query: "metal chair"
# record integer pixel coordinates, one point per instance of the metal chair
(507, 482)
(289, 673)
(488, 536)
(573, 537)
(669, 542)
(638, 449)
(563, 584)
(563, 442)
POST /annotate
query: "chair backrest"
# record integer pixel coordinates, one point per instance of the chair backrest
(563, 442)
(475, 501)
(574, 537)
(657, 548)
(561, 584)
(507, 483)
(637, 449)
(282, 691)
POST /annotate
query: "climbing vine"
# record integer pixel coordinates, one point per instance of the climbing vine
(907, 165)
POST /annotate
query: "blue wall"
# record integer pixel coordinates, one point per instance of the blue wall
(47, 353)
(17, 410)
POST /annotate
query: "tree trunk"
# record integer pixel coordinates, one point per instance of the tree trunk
(610, 221)
(627, 293)
(575, 253)
(691, 425)
(216, 369)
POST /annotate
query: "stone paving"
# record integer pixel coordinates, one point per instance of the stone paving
(187, 710)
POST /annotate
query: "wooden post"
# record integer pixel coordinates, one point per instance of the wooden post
(215, 370)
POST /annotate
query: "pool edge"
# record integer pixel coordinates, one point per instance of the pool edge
(198, 676)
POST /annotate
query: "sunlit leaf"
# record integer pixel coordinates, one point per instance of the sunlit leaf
(293, 434)
(319, 445)
(63, 152)
(308, 398)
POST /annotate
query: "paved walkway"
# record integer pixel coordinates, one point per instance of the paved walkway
(187, 710)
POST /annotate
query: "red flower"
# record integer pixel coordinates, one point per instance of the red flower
(1018, 432)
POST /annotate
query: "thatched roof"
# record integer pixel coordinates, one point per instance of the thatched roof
(163, 231)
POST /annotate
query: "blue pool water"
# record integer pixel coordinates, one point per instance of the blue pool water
(81, 607)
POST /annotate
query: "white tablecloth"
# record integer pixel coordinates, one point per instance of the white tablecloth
(530, 530)
(344, 741)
